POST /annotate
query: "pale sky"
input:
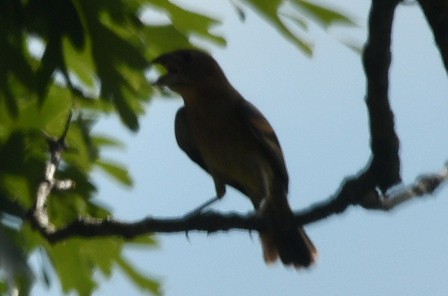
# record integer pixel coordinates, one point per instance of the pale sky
(317, 108)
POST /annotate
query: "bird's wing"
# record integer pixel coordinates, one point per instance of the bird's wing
(264, 134)
(185, 140)
(187, 144)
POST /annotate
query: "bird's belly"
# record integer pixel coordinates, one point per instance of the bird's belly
(233, 158)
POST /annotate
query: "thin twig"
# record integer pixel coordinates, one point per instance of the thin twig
(39, 214)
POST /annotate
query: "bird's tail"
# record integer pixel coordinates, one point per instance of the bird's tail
(284, 239)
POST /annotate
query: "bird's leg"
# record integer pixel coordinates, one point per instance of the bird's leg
(220, 191)
(199, 209)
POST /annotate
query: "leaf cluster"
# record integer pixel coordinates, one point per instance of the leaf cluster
(92, 57)
(89, 56)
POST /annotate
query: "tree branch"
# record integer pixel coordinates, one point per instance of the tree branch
(38, 215)
(384, 169)
(213, 222)
(370, 188)
(436, 12)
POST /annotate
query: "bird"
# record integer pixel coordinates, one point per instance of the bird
(229, 138)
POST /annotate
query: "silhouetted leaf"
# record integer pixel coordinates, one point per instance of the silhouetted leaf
(323, 15)
(106, 141)
(141, 281)
(270, 11)
(165, 38)
(116, 171)
(190, 23)
(73, 266)
(14, 263)
(277, 12)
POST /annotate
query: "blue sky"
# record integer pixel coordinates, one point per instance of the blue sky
(317, 109)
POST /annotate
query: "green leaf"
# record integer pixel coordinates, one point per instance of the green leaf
(80, 61)
(146, 240)
(52, 25)
(48, 117)
(116, 171)
(103, 252)
(190, 23)
(84, 258)
(49, 63)
(323, 15)
(141, 281)
(3, 287)
(16, 194)
(353, 45)
(165, 38)
(92, 102)
(54, 112)
(16, 74)
(239, 10)
(106, 141)
(270, 11)
(21, 168)
(74, 269)
(118, 54)
(16, 70)
(85, 152)
(298, 20)
(9, 205)
(14, 262)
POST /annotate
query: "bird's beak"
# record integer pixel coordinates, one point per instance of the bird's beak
(170, 76)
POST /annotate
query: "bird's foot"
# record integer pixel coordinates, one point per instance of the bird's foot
(199, 209)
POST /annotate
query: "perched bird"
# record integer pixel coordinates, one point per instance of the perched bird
(233, 142)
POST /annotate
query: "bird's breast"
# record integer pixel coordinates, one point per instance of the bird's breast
(226, 144)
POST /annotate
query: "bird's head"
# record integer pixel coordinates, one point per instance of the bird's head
(188, 69)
